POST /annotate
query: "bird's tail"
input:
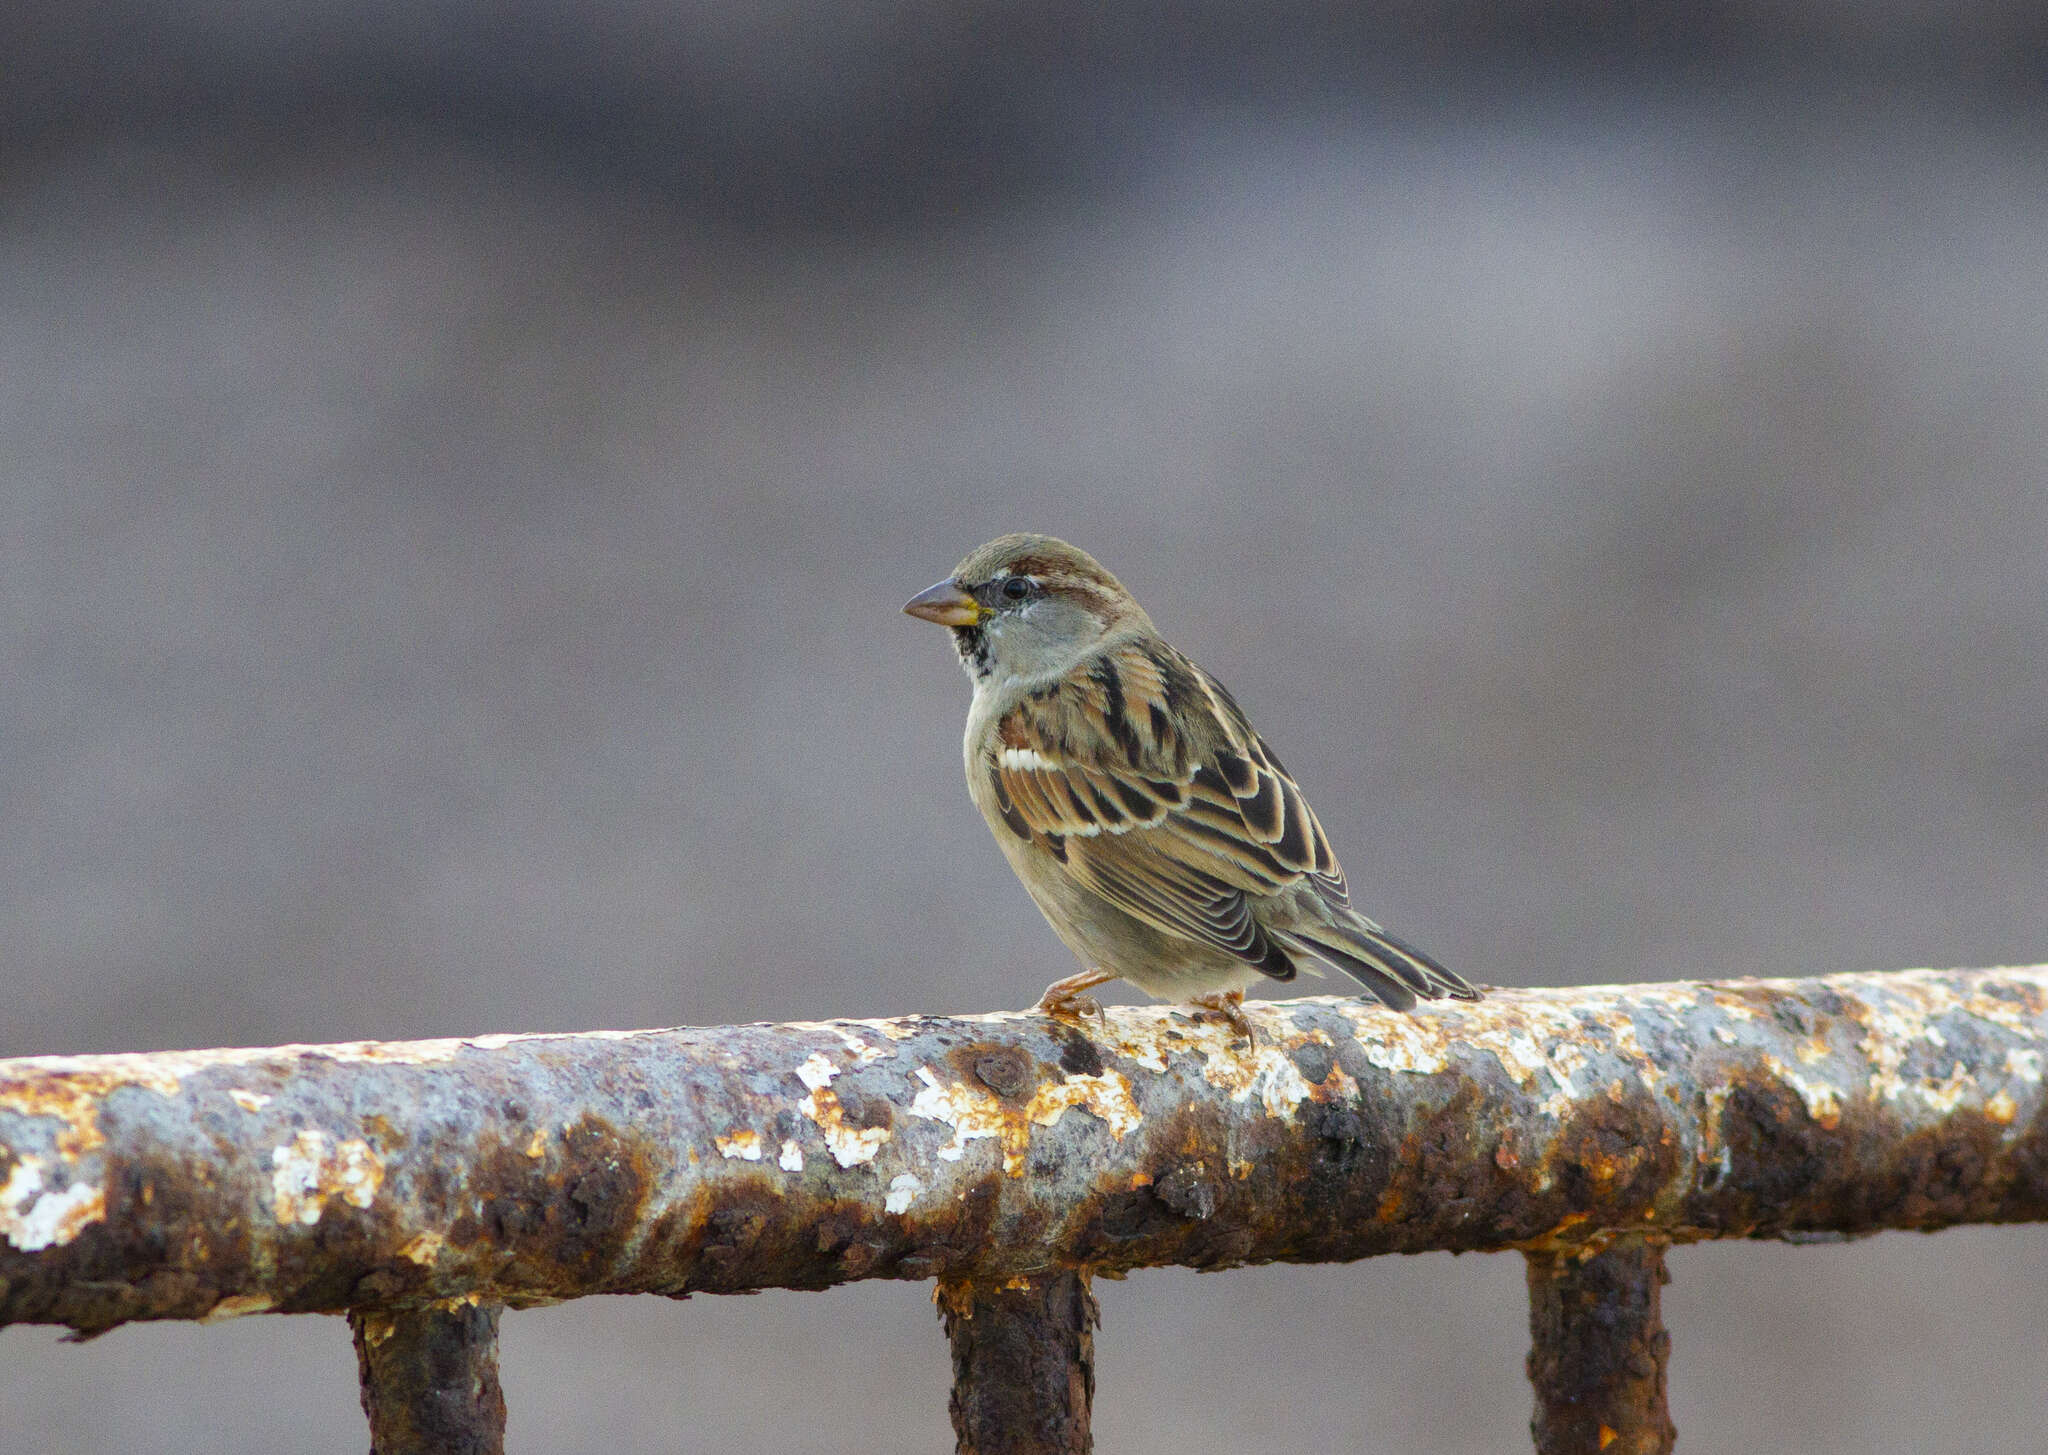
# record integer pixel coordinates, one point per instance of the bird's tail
(1394, 971)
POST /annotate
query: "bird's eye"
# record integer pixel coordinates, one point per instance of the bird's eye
(1017, 588)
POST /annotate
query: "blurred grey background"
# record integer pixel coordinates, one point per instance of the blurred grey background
(461, 464)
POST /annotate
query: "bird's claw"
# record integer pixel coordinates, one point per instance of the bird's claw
(1226, 1008)
(1066, 1000)
(1073, 1008)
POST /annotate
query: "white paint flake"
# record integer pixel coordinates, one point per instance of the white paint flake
(817, 1070)
(903, 1191)
(744, 1144)
(1395, 1042)
(974, 1114)
(849, 1145)
(308, 1170)
(33, 1219)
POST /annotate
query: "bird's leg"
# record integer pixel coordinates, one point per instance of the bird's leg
(1064, 1000)
(1226, 1006)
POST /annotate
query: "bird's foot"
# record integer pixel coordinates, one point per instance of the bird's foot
(1226, 1007)
(1067, 1000)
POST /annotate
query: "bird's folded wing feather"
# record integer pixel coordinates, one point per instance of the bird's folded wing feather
(1142, 776)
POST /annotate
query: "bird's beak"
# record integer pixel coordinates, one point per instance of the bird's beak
(945, 604)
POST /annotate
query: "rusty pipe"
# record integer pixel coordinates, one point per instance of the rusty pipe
(521, 1170)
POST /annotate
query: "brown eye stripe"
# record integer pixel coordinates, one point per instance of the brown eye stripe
(1043, 566)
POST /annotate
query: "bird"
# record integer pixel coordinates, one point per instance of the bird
(1155, 829)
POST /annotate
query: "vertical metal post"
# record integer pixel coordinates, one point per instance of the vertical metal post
(430, 1380)
(1023, 1364)
(1599, 1350)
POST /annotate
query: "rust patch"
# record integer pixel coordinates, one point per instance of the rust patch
(1599, 1351)
(430, 1378)
(975, 1113)
(1023, 1364)
(1005, 1070)
(528, 1169)
(312, 1168)
(72, 1099)
(561, 1223)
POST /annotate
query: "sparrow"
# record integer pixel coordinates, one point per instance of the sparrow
(1145, 815)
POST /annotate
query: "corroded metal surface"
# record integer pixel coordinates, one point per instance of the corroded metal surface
(1599, 1350)
(1023, 1364)
(430, 1379)
(525, 1169)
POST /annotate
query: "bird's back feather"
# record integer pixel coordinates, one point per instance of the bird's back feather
(1141, 777)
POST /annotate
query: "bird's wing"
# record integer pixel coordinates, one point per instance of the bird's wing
(1141, 775)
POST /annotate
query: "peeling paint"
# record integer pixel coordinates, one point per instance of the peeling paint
(1106, 1096)
(1147, 1052)
(817, 1070)
(862, 1053)
(1266, 1072)
(1823, 1102)
(528, 1169)
(310, 1169)
(744, 1144)
(32, 1218)
(971, 1113)
(849, 1145)
(1399, 1043)
(73, 1100)
(974, 1114)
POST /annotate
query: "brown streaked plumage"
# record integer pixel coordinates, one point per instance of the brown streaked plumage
(1163, 840)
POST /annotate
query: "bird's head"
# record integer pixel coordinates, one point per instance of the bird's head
(1029, 607)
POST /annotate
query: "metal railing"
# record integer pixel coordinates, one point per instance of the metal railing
(422, 1187)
